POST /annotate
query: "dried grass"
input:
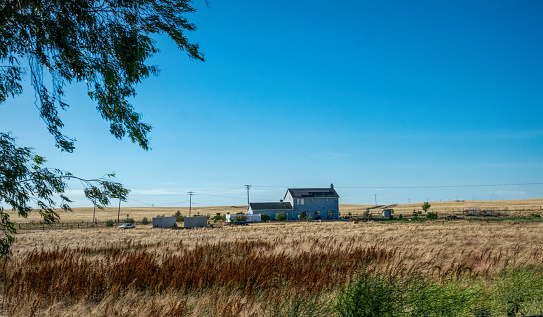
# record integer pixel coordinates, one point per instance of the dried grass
(244, 271)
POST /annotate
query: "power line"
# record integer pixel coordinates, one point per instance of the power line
(439, 186)
(429, 186)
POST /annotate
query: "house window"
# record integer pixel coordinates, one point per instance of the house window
(312, 199)
(331, 214)
(300, 202)
(326, 199)
(318, 214)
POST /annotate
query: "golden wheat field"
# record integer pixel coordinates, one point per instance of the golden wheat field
(265, 269)
(511, 207)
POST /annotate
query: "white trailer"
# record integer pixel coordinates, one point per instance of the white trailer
(249, 217)
(164, 222)
(195, 222)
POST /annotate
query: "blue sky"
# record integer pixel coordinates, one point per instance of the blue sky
(386, 98)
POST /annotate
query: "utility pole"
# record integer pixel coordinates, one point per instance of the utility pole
(248, 187)
(190, 201)
(375, 199)
(119, 212)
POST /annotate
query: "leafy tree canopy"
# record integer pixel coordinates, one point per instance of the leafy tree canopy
(104, 43)
(426, 206)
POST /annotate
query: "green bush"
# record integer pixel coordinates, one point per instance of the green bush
(178, 216)
(385, 295)
(302, 215)
(431, 215)
(424, 298)
(517, 292)
(416, 214)
(218, 217)
(145, 221)
(281, 216)
(265, 217)
(129, 220)
(369, 296)
(110, 223)
(426, 206)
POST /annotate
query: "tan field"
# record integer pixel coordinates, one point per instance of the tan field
(509, 207)
(264, 269)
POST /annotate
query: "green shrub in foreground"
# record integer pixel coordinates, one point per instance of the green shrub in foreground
(369, 296)
(281, 216)
(389, 296)
(514, 292)
(518, 291)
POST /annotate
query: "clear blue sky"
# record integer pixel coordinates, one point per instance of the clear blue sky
(368, 95)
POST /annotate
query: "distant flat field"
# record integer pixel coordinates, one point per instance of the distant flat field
(444, 208)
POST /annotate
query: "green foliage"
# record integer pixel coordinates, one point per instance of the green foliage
(178, 216)
(160, 216)
(369, 296)
(281, 216)
(104, 44)
(24, 182)
(424, 298)
(416, 214)
(426, 206)
(302, 215)
(431, 215)
(265, 217)
(130, 220)
(366, 214)
(390, 295)
(110, 223)
(219, 217)
(517, 291)
(145, 221)
(400, 216)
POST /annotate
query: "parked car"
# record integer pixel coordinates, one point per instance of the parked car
(127, 226)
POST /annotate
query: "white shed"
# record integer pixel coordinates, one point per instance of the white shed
(249, 218)
(164, 222)
(195, 222)
(387, 213)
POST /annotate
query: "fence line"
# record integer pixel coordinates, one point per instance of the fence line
(68, 225)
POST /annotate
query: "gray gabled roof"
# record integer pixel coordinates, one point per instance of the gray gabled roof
(271, 206)
(313, 192)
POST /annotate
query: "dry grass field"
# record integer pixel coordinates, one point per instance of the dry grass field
(278, 268)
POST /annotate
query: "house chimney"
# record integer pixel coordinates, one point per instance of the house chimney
(280, 200)
(331, 185)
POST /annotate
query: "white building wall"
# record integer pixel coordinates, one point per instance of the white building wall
(164, 222)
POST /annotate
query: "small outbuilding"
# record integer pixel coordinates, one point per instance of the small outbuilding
(247, 217)
(387, 213)
(164, 222)
(195, 222)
